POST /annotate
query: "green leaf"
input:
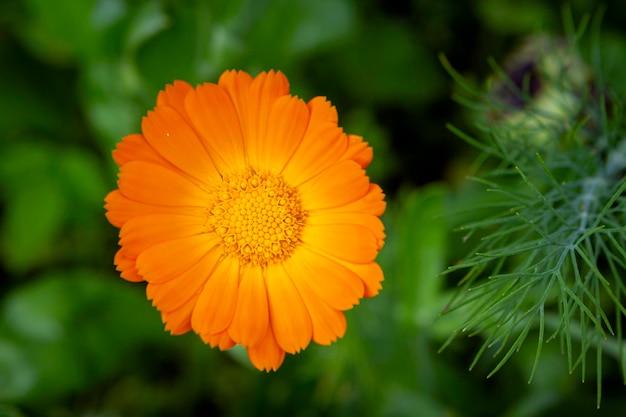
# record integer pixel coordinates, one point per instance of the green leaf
(385, 64)
(289, 29)
(149, 20)
(33, 218)
(73, 328)
(401, 401)
(172, 41)
(422, 253)
(513, 17)
(60, 31)
(80, 176)
(108, 94)
(17, 374)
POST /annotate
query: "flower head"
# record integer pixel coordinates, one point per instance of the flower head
(542, 92)
(249, 214)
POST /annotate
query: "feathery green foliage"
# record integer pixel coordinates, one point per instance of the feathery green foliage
(549, 260)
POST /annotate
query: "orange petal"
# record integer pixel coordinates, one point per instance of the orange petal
(142, 232)
(350, 242)
(214, 117)
(172, 137)
(333, 217)
(135, 147)
(322, 146)
(342, 183)
(221, 340)
(267, 355)
(126, 265)
(120, 209)
(266, 88)
(371, 274)
(174, 95)
(278, 137)
(371, 203)
(216, 304)
(237, 85)
(147, 183)
(359, 151)
(337, 286)
(170, 295)
(322, 111)
(291, 321)
(167, 260)
(179, 321)
(328, 324)
(255, 101)
(251, 319)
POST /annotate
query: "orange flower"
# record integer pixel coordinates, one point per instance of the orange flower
(249, 214)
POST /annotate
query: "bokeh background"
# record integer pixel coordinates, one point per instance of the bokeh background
(77, 75)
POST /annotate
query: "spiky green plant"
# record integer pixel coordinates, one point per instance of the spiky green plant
(551, 259)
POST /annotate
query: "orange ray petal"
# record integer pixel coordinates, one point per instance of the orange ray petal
(147, 183)
(221, 340)
(174, 95)
(322, 146)
(339, 185)
(237, 85)
(337, 286)
(217, 302)
(126, 265)
(170, 295)
(214, 117)
(135, 147)
(179, 321)
(167, 260)
(359, 151)
(251, 319)
(170, 135)
(333, 217)
(328, 324)
(322, 111)
(291, 321)
(350, 242)
(265, 90)
(120, 209)
(142, 232)
(370, 273)
(267, 355)
(278, 137)
(254, 99)
(371, 203)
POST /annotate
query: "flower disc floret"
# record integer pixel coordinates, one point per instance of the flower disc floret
(257, 217)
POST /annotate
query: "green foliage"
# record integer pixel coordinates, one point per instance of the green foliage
(66, 323)
(550, 260)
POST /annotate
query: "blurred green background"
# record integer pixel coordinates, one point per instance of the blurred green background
(77, 75)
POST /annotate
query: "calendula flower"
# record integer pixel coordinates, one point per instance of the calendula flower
(249, 214)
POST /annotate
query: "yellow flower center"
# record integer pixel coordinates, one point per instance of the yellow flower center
(257, 217)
